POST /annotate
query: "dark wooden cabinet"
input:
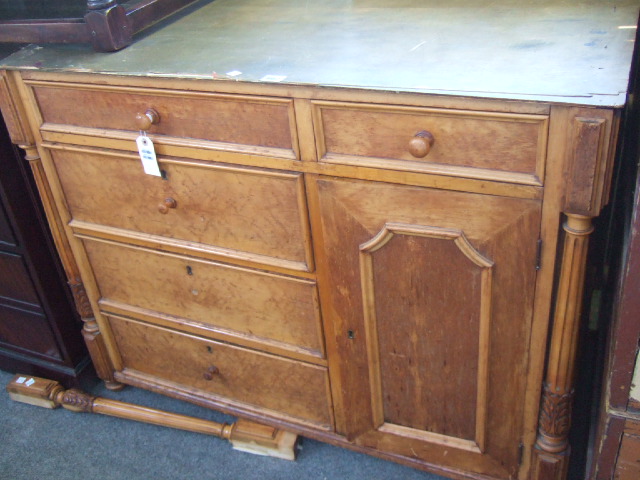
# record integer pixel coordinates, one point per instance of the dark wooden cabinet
(107, 24)
(39, 328)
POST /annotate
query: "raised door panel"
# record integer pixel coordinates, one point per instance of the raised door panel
(422, 287)
(431, 299)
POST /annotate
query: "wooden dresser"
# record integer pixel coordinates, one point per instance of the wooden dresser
(367, 234)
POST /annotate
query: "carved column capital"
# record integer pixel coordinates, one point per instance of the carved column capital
(555, 420)
(81, 299)
(76, 401)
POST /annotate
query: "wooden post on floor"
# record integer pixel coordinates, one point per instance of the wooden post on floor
(244, 435)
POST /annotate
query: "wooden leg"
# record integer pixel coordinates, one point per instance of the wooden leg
(551, 453)
(244, 435)
(93, 338)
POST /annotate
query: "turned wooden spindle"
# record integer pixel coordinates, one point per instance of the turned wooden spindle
(244, 435)
(420, 145)
(145, 120)
(587, 173)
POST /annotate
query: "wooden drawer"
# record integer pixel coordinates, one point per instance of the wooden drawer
(15, 281)
(494, 146)
(247, 378)
(253, 214)
(236, 304)
(240, 122)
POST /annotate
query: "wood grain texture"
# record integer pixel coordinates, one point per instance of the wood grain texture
(353, 213)
(589, 167)
(250, 210)
(414, 364)
(628, 462)
(436, 340)
(293, 388)
(552, 444)
(251, 302)
(12, 110)
(447, 179)
(380, 136)
(221, 118)
(27, 118)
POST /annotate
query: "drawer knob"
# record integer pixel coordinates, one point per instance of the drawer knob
(420, 145)
(211, 371)
(146, 119)
(166, 205)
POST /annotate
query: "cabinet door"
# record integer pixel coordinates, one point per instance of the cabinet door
(430, 298)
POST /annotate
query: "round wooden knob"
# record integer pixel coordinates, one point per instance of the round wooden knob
(211, 371)
(420, 145)
(146, 119)
(166, 205)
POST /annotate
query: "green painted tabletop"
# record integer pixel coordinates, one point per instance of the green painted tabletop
(576, 52)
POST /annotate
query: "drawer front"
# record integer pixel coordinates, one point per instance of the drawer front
(505, 147)
(15, 281)
(229, 373)
(245, 212)
(29, 331)
(249, 303)
(237, 120)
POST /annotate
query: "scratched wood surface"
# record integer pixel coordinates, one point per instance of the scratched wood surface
(544, 49)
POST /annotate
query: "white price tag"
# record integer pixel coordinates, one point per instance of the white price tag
(148, 156)
(30, 382)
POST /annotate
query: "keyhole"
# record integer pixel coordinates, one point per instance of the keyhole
(163, 175)
(351, 335)
(209, 349)
(189, 270)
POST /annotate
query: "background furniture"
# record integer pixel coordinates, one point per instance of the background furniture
(39, 327)
(107, 24)
(381, 252)
(616, 451)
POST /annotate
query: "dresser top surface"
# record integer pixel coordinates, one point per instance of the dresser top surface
(576, 52)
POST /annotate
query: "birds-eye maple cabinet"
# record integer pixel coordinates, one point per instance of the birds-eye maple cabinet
(379, 245)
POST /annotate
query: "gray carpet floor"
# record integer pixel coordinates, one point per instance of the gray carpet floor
(38, 443)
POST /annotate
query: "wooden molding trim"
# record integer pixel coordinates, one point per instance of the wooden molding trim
(590, 159)
(13, 118)
(367, 250)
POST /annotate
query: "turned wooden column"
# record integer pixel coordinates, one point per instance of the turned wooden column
(90, 330)
(587, 178)
(552, 445)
